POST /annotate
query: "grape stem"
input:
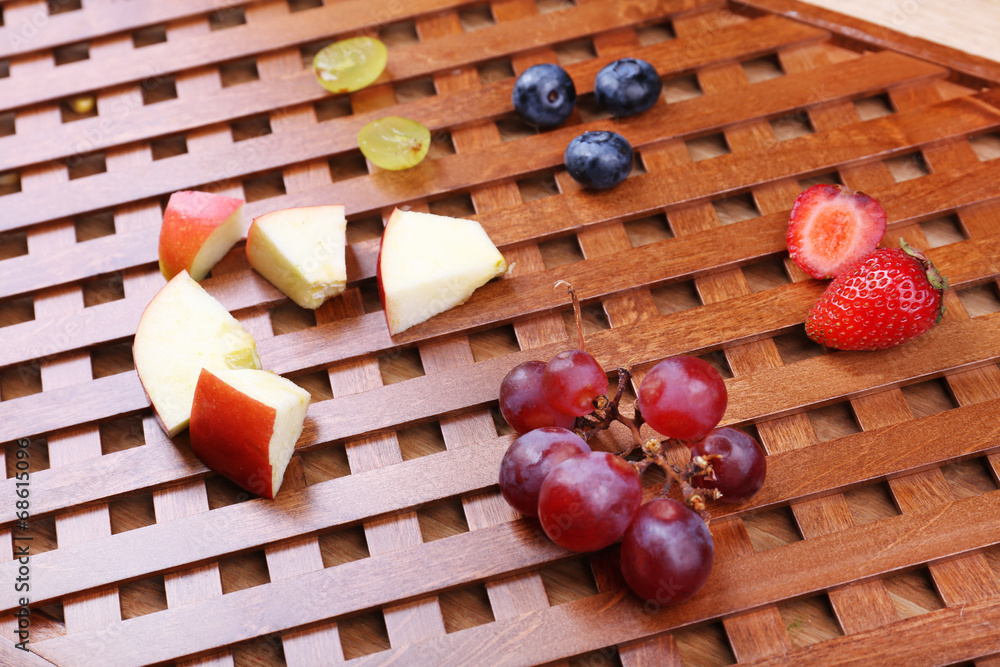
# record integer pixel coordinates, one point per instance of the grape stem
(606, 412)
(577, 312)
(697, 466)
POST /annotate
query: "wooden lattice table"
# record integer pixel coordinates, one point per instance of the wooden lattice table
(875, 538)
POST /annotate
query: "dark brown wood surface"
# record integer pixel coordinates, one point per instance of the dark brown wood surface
(877, 535)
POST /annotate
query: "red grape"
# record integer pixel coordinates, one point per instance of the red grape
(667, 553)
(523, 404)
(682, 397)
(530, 458)
(740, 471)
(572, 380)
(587, 502)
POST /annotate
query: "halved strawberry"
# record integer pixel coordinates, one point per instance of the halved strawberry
(832, 227)
(888, 298)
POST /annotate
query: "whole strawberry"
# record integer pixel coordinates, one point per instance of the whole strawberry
(887, 298)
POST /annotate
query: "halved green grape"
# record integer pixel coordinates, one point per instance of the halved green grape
(394, 143)
(350, 64)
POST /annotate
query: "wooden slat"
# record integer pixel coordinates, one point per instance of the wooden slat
(275, 150)
(417, 619)
(815, 153)
(15, 656)
(223, 531)
(321, 644)
(866, 76)
(856, 30)
(759, 632)
(862, 604)
(160, 60)
(500, 550)
(795, 475)
(363, 194)
(192, 51)
(116, 320)
(922, 489)
(820, 380)
(909, 201)
(513, 595)
(161, 516)
(779, 310)
(634, 306)
(439, 111)
(43, 32)
(797, 569)
(958, 633)
(970, 578)
(204, 582)
(73, 528)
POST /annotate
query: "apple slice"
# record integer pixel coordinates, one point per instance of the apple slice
(429, 263)
(244, 426)
(198, 230)
(183, 330)
(301, 251)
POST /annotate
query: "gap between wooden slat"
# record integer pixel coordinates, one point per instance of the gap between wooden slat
(160, 60)
(201, 583)
(970, 578)
(797, 569)
(73, 527)
(321, 644)
(924, 198)
(957, 632)
(794, 475)
(41, 31)
(116, 252)
(364, 194)
(514, 595)
(672, 58)
(772, 312)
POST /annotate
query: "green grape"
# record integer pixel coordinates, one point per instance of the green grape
(394, 143)
(350, 64)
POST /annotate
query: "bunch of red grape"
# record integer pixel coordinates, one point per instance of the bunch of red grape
(586, 500)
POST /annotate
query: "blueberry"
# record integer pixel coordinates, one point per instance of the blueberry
(544, 95)
(599, 160)
(627, 87)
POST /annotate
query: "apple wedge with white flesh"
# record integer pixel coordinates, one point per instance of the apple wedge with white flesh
(429, 263)
(183, 330)
(301, 251)
(198, 229)
(244, 426)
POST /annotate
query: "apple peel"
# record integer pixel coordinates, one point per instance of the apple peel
(182, 330)
(244, 426)
(198, 229)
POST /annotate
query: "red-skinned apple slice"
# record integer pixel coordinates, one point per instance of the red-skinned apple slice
(198, 230)
(301, 251)
(244, 426)
(183, 330)
(430, 263)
